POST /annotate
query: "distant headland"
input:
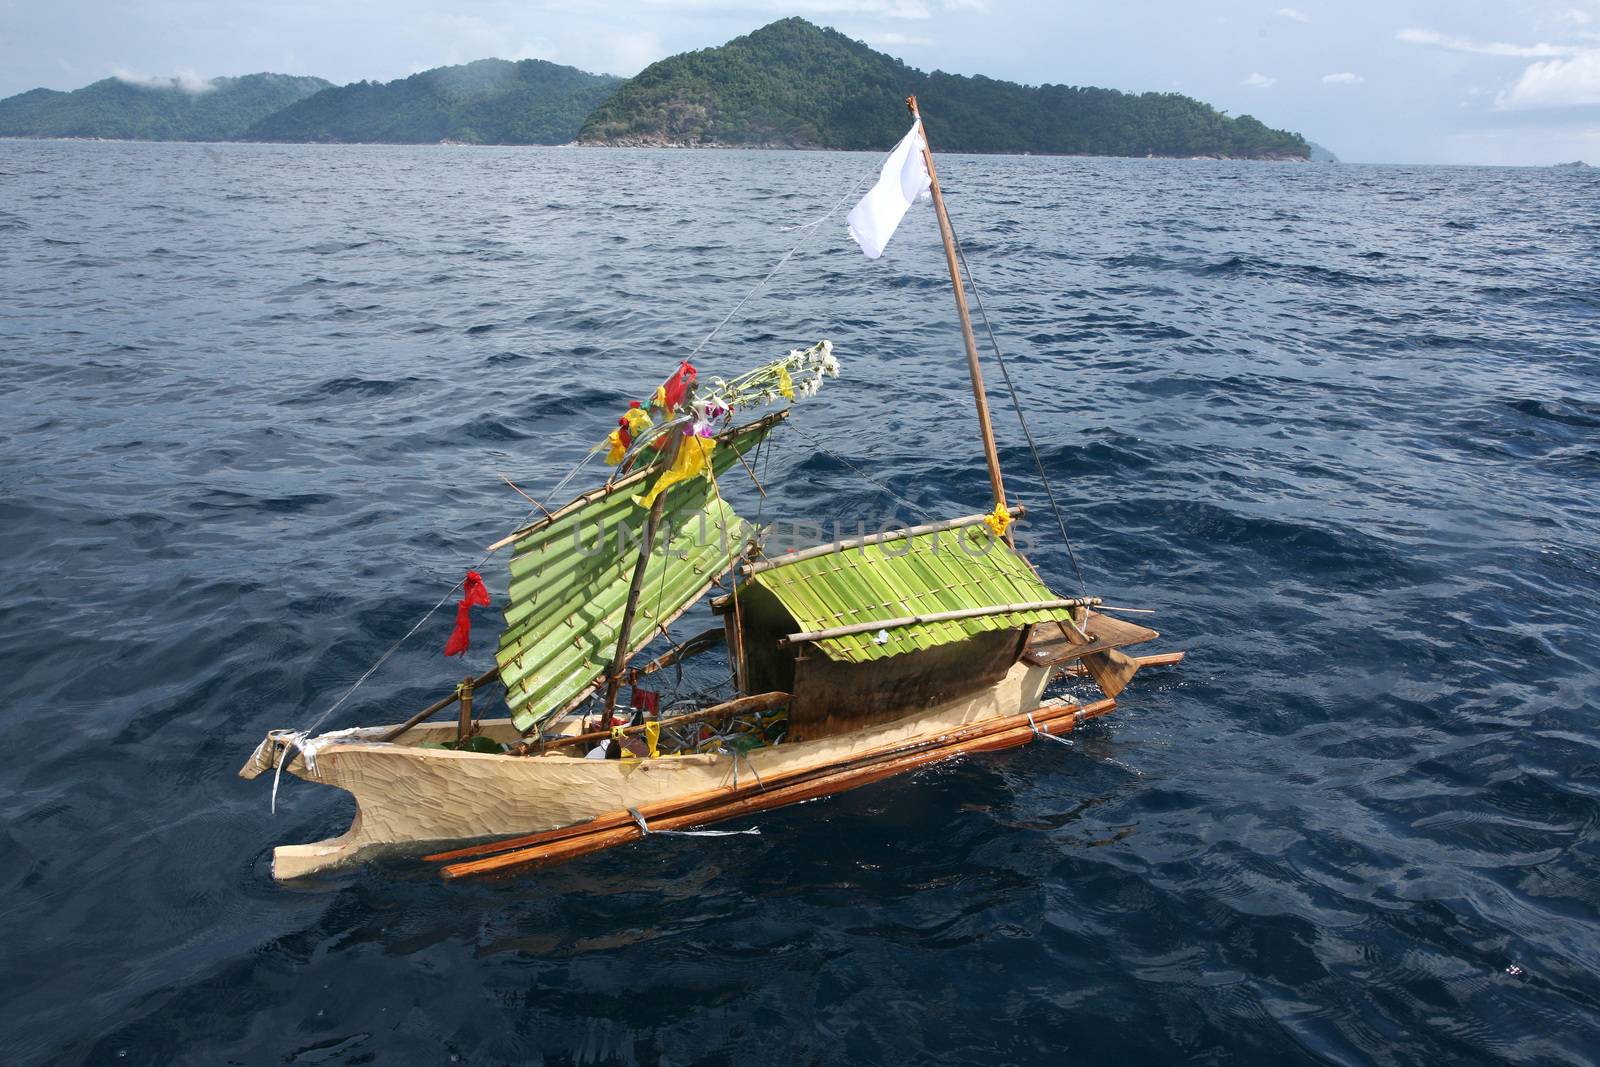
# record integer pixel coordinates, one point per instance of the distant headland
(790, 84)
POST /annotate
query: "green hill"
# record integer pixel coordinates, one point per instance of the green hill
(165, 110)
(793, 84)
(492, 101)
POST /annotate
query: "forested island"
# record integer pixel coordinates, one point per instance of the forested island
(491, 101)
(166, 109)
(790, 84)
(795, 85)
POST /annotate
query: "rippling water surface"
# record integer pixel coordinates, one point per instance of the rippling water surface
(1339, 424)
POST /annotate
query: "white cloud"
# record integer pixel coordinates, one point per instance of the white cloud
(1342, 78)
(1574, 16)
(632, 52)
(1292, 14)
(187, 80)
(889, 9)
(1568, 75)
(885, 40)
(458, 38)
(1259, 81)
(1555, 83)
(1492, 48)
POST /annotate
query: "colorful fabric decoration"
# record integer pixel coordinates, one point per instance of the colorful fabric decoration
(998, 521)
(646, 700)
(632, 423)
(473, 593)
(785, 384)
(617, 445)
(677, 386)
(694, 457)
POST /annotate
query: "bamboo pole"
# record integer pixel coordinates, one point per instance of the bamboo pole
(619, 661)
(625, 632)
(985, 427)
(937, 616)
(464, 719)
(741, 706)
(691, 807)
(439, 705)
(629, 481)
(690, 802)
(845, 545)
(617, 828)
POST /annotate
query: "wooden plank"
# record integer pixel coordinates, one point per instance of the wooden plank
(1111, 670)
(1053, 649)
(937, 616)
(833, 697)
(617, 828)
(1042, 715)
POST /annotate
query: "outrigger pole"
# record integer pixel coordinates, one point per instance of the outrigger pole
(984, 425)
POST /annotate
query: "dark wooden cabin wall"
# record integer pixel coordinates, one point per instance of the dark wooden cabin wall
(763, 619)
(832, 697)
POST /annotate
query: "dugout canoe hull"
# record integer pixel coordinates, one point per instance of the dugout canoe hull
(407, 797)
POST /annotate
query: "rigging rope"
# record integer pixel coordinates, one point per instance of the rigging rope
(808, 229)
(825, 450)
(1016, 403)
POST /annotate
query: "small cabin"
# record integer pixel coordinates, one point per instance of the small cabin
(874, 628)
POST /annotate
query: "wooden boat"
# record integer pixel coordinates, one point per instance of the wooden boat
(850, 661)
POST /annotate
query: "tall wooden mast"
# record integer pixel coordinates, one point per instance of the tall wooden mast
(985, 427)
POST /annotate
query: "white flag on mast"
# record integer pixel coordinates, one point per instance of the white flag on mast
(904, 177)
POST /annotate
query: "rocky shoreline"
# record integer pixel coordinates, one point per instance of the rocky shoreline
(662, 141)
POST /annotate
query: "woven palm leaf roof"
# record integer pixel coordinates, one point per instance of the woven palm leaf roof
(947, 570)
(570, 576)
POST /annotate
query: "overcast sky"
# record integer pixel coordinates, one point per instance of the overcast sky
(1446, 81)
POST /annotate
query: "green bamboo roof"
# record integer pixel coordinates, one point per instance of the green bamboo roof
(569, 581)
(949, 570)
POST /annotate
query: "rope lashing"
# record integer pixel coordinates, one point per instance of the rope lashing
(1038, 732)
(1022, 420)
(736, 754)
(644, 828)
(809, 228)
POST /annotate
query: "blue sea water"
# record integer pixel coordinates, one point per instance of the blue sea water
(1339, 425)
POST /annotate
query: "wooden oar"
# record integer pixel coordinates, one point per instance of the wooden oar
(616, 828)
